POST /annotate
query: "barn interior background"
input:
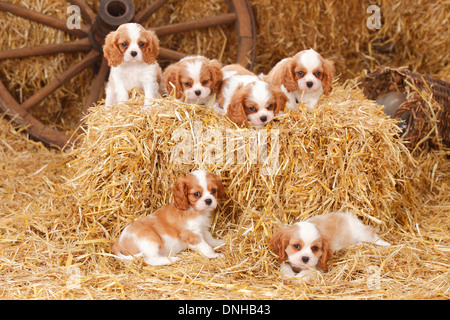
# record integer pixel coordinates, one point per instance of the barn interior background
(61, 211)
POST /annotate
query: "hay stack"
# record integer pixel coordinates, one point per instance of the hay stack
(346, 155)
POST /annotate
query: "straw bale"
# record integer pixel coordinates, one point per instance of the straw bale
(345, 156)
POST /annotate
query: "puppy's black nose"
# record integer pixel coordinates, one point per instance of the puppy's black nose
(305, 259)
(309, 84)
(208, 201)
(198, 92)
(133, 53)
(263, 118)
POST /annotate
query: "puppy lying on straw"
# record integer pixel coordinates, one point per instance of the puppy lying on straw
(305, 244)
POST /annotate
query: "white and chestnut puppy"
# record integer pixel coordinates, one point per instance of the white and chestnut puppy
(303, 78)
(304, 245)
(246, 98)
(184, 223)
(194, 79)
(131, 53)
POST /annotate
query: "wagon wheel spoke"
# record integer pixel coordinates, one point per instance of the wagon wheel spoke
(90, 58)
(170, 54)
(86, 12)
(96, 87)
(195, 25)
(43, 19)
(71, 46)
(151, 9)
(35, 128)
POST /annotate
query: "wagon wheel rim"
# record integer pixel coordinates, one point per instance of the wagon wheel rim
(90, 41)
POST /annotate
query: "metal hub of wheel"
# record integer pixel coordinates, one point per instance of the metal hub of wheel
(111, 14)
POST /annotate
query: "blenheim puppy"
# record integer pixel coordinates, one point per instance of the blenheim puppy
(184, 223)
(304, 245)
(303, 78)
(246, 98)
(131, 53)
(194, 79)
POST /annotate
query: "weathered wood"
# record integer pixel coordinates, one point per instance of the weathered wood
(43, 19)
(91, 57)
(36, 129)
(149, 10)
(96, 87)
(195, 25)
(72, 46)
(246, 30)
(169, 54)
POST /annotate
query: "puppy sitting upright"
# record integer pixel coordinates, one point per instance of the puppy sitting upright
(182, 224)
(131, 53)
(303, 78)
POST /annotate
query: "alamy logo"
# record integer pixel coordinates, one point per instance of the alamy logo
(216, 147)
(374, 21)
(74, 20)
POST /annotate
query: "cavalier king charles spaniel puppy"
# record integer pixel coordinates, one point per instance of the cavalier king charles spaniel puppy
(303, 78)
(182, 224)
(304, 245)
(246, 98)
(194, 79)
(131, 53)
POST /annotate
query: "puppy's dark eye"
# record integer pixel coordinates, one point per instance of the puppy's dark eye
(213, 191)
(141, 44)
(314, 248)
(270, 107)
(253, 109)
(205, 82)
(317, 74)
(188, 84)
(301, 73)
(124, 44)
(296, 246)
(197, 194)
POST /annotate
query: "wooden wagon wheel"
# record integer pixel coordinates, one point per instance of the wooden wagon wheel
(110, 15)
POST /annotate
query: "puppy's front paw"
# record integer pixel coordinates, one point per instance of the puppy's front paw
(306, 275)
(217, 242)
(216, 256)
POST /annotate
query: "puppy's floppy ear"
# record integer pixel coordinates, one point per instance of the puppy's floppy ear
(326, 255)
(279, 242)
(172, 80)
(220, 189)
(235, 110)
(280, 99)
(328, 76)
(111, 50)
(151, 49)
(215, 68)
(288, 76)
(180, 195)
